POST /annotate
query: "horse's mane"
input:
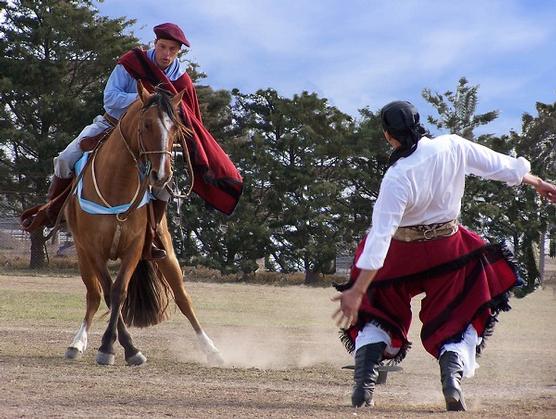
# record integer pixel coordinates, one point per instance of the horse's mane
(162, 100)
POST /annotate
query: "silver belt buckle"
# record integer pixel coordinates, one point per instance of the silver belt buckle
(432, 231)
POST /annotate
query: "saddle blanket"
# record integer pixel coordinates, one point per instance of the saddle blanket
(99, 209)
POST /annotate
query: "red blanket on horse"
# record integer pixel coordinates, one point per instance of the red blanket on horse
(217, 180)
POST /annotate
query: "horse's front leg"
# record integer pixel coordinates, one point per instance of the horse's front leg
(89, 276)
(132, 355)
(174, 276)
(118, 294)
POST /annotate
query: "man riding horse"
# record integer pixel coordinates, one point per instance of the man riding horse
(216, 179)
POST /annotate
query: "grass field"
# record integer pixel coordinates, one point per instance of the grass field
(282, 359)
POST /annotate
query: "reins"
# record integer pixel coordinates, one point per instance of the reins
(140, 182)
(182, 132)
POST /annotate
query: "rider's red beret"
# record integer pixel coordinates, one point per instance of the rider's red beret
(170, 31)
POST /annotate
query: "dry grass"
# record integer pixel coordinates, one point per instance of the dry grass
(14, 264)
(283, 359)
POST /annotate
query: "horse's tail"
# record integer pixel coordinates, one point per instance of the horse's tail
(148, 297)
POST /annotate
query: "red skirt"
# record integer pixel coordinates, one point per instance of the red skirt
(465, 281)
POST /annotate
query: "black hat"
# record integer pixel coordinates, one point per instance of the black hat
(399, 116)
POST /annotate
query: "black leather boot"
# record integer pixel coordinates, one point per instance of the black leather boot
(367, 361)
(153, 248)
(451, 374)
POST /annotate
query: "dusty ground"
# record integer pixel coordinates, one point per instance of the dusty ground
(283, 359)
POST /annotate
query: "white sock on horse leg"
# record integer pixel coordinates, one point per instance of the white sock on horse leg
(80, 340)
(206, 343)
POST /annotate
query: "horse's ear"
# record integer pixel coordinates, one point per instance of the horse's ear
(142, 92)
(177, 98)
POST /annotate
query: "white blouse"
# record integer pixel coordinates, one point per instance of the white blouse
(427, 188)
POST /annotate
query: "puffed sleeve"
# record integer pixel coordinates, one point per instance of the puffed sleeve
(387, 214)
(489, 164)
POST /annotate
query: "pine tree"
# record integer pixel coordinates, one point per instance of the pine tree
(56, 57)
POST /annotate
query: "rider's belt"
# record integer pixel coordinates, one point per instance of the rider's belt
(426, 232)
(111, 120)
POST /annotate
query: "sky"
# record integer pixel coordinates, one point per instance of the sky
(366, 53)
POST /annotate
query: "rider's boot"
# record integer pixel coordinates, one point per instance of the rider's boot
(154, 248)
(56, 196)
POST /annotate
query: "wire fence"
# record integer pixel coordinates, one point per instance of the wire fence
(15, 243)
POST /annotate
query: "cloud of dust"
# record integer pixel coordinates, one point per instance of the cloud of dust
(315, 341)
(308, 338)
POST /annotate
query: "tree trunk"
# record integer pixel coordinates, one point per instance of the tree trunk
(311, 277)
(38, 257)
(542, 256)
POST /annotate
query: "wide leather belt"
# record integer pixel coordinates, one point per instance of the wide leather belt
(426, 232)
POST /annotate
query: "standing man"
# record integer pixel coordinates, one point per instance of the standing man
(216, 178)
(415, 245)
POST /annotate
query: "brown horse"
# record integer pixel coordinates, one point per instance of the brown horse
(139, 294)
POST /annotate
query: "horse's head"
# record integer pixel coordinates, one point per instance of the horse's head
(158, 125)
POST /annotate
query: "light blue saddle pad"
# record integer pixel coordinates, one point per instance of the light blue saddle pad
(94, 208)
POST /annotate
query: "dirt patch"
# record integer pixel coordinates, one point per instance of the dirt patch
(283, 359)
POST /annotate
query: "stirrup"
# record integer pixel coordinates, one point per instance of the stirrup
(154, 253)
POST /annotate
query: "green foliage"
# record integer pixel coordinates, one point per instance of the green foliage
(457, 110)
(512, 215)
(362, 172)
(55, 57)
(299, 150)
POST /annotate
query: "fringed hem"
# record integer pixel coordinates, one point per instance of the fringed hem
(347, 341)
(401, 354)
(496, 305)
(513, 264)
(349, 344)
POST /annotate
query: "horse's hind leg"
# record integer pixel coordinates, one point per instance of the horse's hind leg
(173, 275)
(79, 343)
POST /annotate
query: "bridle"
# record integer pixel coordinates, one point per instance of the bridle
(142, 151)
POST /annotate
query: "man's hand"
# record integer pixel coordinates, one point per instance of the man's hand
(546, 190)
(350, 300)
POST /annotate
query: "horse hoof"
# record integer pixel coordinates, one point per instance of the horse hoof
(105, 359)
(73, 353)
(137, 359)
(214, 359)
